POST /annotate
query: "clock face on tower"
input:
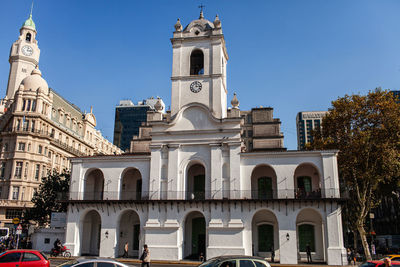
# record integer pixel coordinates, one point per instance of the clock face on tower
(27, 50)
(195, 87)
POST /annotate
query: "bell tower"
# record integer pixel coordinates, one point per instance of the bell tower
(199, 66)
(24, 56)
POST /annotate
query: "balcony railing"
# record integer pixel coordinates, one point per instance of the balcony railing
(203, 195)
(55, 141)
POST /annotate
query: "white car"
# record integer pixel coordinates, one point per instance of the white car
(82, 262)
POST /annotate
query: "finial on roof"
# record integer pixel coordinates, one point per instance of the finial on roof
(217, 22)
(91, 109)
(178, 26)
(29, 22)
(31, 9)
(158, 106)
(201, 6)
(235, 102)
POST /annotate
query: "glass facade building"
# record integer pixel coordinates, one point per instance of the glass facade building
(306, 121)
(128, 118)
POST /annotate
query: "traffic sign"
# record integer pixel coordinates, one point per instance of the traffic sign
(19, 227)
(15, 221)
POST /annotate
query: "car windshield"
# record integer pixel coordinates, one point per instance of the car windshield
(69, 263)
(208, 263)
(1, 254)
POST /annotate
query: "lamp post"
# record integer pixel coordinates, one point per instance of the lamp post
(371, 229)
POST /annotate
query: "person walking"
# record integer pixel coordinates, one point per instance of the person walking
(272, 254)
(126, 248)
(308, 250)
(145, 258)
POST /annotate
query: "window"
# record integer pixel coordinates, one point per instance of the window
(28, 37)
(23, 104)
(23, 193)
(28, 106)
(37, 171)
(18, 124)
(88, 264)
(15, 193)
(246, 263)
(11, 257)
(265, 237)
(18, 169)
(2, 170)
(40, 148)
(5, 147)
(197, 62)
(230, 263)
(21, 146)
(29, 147)
(259, 264)
(43, 171)
(306, 237)
(30, 257)
(105, 264)
(304, 184)
(33, 105)
(33, 127)
(13, 213)
(47, 240)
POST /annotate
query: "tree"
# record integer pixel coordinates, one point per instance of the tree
(45, 200)
(366, 130)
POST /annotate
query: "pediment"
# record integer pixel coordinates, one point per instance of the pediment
(194, 118)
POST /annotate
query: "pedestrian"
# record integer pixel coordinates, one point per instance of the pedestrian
(201, 257)
(388, 262)
(126, 248)
(308, 250)
(145, 258)
(272, 254)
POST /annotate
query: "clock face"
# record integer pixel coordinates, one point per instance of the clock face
(27, 50)
(195, 87)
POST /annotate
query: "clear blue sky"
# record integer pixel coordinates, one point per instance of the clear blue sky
(290, 55)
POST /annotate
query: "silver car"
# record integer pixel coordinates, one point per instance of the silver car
(236, 261)
(82, 262)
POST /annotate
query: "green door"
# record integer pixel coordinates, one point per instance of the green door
(264, 188)
(199, 186)
(306, 236)
(198, 237)
(265, 237)
(304, 185)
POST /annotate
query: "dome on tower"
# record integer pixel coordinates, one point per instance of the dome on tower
(29, 23)
(35, 81)
(199, 25)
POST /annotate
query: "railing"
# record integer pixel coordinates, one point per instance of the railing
(203, 195)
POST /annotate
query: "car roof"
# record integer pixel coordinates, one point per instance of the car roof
(23, 250)
(224, 257)
(80, 260)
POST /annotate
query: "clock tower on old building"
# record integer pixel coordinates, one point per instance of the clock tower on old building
(24, 56)
(199, 66)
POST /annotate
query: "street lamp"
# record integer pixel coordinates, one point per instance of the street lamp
(287, 236)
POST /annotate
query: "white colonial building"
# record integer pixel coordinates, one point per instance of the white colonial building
(203, 178)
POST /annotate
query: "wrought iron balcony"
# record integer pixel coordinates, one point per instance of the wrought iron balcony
(203, 195)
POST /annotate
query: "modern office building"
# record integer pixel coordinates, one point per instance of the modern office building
(128, 118)
(39, 129)
(306, 121)
(193, 184)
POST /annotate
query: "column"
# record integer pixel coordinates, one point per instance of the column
(216, 171)
(287, 239)
(174, 176)
(108, 235)
(336, 251)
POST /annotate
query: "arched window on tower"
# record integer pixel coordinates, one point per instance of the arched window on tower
(197, 62)
(28, 37)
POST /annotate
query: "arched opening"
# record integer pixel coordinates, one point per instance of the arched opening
(197, 62)
(91, 227)
(307, 181)
(28, 37)
(265, 235)
(263, 182)
(196, 182)
(194, 236)
(131, 186)
(310, 233)
(129, 232)
(94, 185)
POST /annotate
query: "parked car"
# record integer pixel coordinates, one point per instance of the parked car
(82, 262)
(379, 263)
(23, 258)
(236, 261)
